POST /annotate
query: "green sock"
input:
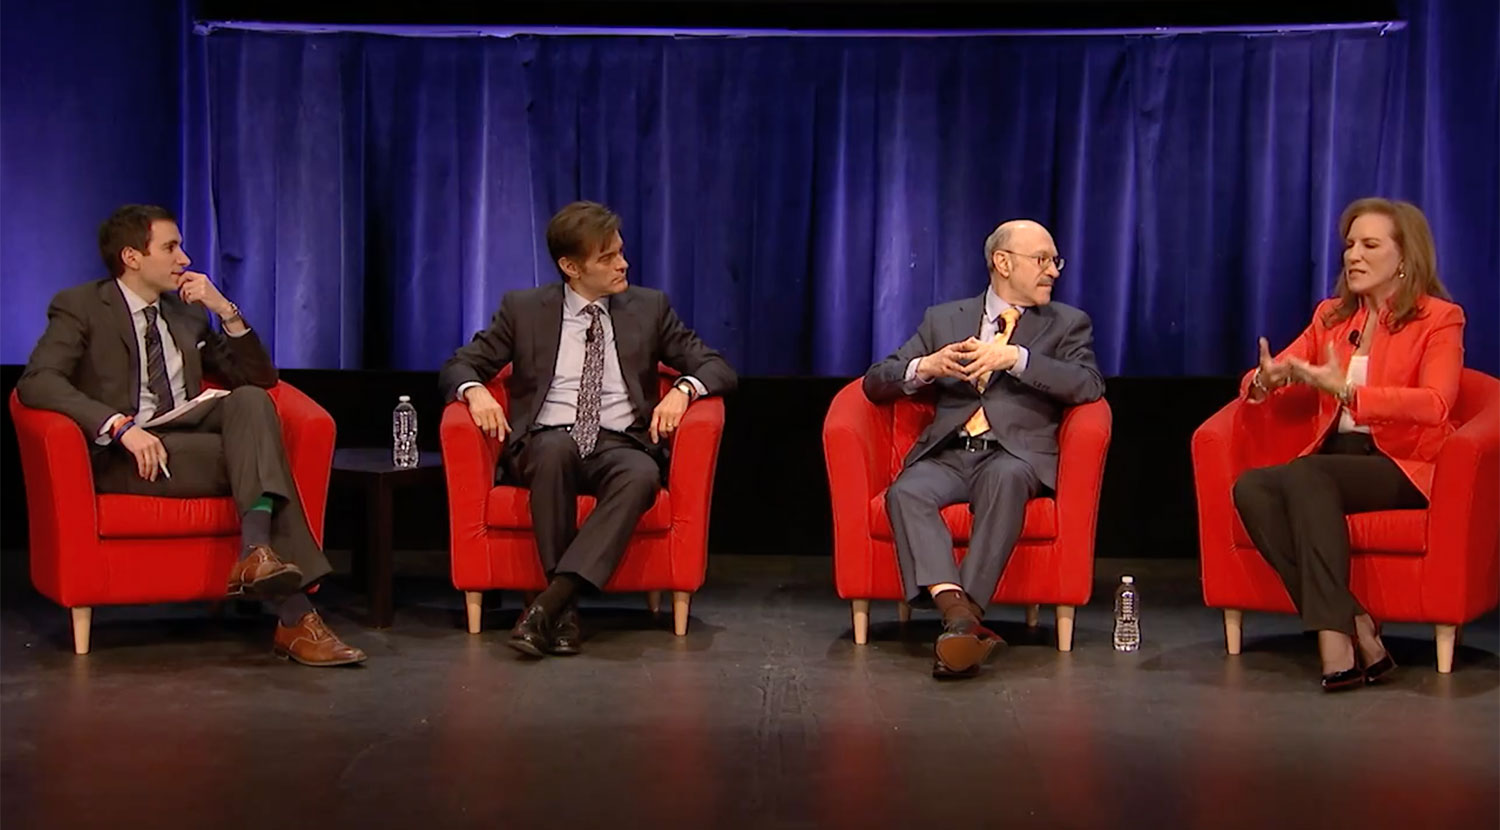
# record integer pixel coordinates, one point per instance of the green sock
(255, 525)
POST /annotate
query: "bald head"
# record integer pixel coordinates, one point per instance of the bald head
(1017, 235)
(1021, 257)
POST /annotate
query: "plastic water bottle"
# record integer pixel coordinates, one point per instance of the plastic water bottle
(404, 430)
(1127, 621)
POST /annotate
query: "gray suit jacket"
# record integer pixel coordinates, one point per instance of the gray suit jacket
(527, 329)
(87, 366)
(1024, 411)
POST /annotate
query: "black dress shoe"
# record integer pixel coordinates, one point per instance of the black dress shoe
(567, 635)
(1343, 680)
(532, 634)
(962, 646)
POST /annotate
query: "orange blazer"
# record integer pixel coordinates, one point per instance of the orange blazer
(1411, 385)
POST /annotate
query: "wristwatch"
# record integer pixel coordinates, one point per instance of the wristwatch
(687, 388)
(234, 314)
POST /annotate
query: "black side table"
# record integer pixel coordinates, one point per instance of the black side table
(372, 471)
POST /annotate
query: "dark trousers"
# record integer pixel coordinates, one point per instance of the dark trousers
(996, 485)
(618, 473)
(230, 446)
(1295, 516)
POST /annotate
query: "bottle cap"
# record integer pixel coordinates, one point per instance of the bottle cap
(1128, 580)
(404, 399)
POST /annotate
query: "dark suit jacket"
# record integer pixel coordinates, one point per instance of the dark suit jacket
(527, 330)
(87, 365)
(1024, 411)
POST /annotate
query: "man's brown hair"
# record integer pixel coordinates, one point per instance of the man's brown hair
(580, 230)
(128, 227)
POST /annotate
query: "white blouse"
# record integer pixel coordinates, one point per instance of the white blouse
(1359, 370)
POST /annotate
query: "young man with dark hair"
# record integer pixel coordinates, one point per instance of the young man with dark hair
(157, 310)
(585, 417)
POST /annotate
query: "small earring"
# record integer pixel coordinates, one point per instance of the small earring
(1400, 275)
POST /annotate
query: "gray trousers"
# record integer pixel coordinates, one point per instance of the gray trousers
(230, 446)
(996, 485)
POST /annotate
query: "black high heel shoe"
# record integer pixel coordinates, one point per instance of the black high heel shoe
(1344, 680)
(1380, 669)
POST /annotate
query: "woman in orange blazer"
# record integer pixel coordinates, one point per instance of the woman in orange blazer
(1380, 364)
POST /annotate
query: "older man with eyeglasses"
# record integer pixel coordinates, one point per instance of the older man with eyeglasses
(1002, 367)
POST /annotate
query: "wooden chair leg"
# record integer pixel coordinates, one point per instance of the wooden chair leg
(680, 602)
(474, 606)
(1065, 627)
(861, 621)
(903, 611)
(82, 619)
(1447, 636)
(1233, 620)
(1033, 615)
(653, 602)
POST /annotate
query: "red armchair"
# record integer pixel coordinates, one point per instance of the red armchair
(1438, 565)
(1053, 563)
(490, 524)
(91, 549)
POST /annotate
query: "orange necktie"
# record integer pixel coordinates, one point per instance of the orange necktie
(978, 424)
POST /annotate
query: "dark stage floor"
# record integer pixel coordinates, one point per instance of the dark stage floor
(765, 715)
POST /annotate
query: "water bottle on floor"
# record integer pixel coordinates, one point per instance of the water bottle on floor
(1127, 623)
(404, 432)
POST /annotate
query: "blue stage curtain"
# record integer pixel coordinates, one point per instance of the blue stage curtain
(367, 199)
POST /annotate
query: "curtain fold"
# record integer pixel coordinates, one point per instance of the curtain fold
(802, 200)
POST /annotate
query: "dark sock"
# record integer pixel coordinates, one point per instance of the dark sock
(293, 609)
(255, 525)
(954, 605)
(563, 590)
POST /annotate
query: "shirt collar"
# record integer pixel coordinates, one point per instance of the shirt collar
(573, 302)
(994, 306)
(134, 301)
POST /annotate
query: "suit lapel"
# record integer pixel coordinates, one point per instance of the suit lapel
(119, 314)
(549, 333)
(180, 326)
(967, 320)
(625, 321)
(1034, 321)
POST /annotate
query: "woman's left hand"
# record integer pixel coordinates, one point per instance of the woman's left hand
(1329, 376)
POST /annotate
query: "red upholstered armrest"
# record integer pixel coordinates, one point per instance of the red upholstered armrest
(857, 449)
(59, 493)
(469, 459)
(309, 433)
(1083, 443)
(1461, 523)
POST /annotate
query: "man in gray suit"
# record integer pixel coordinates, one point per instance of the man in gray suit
(121, 351)
(1002, 367)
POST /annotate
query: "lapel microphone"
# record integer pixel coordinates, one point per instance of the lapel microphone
(588, 335)
(1354, 339)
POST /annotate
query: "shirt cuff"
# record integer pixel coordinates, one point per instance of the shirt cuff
(697, 385)
(1022, 358)
(464, 387)
(109, 426)
(912, 380)
(240, 333)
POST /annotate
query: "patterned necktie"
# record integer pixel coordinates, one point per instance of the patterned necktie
(156, 365)
(591, 388)
(978, 424)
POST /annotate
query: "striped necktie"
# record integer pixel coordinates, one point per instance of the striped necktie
(156, 365)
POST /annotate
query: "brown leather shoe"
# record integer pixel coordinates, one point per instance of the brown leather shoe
(312, 643)
(263, 574)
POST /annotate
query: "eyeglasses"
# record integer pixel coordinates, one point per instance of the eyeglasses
(1042, 260)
